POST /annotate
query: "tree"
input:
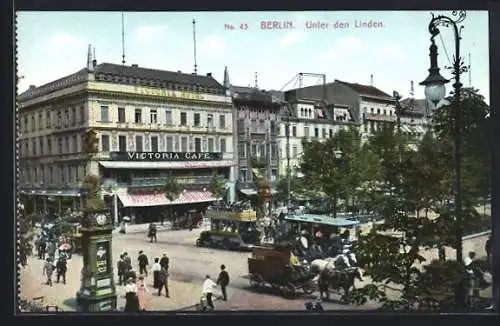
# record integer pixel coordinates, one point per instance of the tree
(330, 165)
(218, 186)
(172, 190)
(25, 235)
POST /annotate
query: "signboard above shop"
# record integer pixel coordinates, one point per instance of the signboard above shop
(166, 156)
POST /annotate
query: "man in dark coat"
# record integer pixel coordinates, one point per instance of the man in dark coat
(165, 262)
(152, 233)
(223, 281)
(163, 282)
(122, 269)
(61, 268)
(143, 262)
(127, 260)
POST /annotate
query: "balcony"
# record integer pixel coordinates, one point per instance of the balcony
(380, 117)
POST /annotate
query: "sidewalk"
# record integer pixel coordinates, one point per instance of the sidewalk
(32, 285)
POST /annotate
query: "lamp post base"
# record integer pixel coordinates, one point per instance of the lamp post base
(103, 303)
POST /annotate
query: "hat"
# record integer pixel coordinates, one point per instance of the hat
(140, 251)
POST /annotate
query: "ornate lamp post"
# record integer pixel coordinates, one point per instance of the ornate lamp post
(338, 156)
(435, 91)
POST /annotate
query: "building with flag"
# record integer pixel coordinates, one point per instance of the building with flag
(256, 116)
(148, 124)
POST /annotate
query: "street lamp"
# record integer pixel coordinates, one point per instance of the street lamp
(338, 156)
(435, 91)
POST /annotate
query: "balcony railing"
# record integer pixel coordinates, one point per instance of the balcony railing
(160, 181)
(380, 117)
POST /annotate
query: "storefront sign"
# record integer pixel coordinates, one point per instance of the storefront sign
(166, 156)
(168, 93)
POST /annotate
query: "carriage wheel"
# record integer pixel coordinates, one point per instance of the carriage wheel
(288, 290)
(256, 281)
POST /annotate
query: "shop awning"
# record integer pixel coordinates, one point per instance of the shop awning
(165, 165)
(159, 199)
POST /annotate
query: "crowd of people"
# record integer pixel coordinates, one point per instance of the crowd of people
(135, 287)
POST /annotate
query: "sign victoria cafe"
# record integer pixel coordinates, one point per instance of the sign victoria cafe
(166, 156)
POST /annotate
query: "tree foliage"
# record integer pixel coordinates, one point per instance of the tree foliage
(218, 186)
(171, 188)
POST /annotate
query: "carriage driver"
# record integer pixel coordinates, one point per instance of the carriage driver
(295, 264)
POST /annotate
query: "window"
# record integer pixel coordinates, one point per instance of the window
(294, 151)
(73, 116)
(210, 145)
(40, 120)
(138, 116)
(82, 115)
(371, 110)
(274, 174)
(183, 118)
(306, 132)
(25, 124)
(272, 127)
(49, 145)
(316, 132)
(253, 150)
(51, 172)
(385, 112)
(390, 112)
(138, 144)
(153, 116)
(104, 113)
(66, 117)
(273, 151)
(294, 131)
(168, 116)
(197, 121)
(243, 175)
(242, 153)
(331, 133)
(324, 133)
(222, 145)
(154, 143)
(105, 143)
(197, 145)
(378, 111)
(169, 144)
(66, 144)
(121, 115)
(41, 145)
(122, 143)
(184, 144)
(33, 123)
(33, 149)
(222, 121)
(210, 120)
(59, 118)
(75, 144)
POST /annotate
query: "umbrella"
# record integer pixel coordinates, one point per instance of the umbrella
(65, 247)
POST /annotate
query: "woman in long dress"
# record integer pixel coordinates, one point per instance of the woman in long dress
(131, 298)
(155, 269)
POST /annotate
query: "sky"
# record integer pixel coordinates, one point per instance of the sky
(52, 45)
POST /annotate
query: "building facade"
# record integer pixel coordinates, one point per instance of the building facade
(414, 117)
(256, 120)
(149, 124)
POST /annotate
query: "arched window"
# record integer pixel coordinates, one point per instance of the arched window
(302, 112)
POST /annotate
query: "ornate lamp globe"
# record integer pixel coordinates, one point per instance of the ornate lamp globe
(435, 89)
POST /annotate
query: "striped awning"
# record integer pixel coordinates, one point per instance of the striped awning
(159, 199)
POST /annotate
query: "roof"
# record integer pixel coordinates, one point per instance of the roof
(364, 89)
(321, 219)
(254, 94)
(415, 105)
(153, 76)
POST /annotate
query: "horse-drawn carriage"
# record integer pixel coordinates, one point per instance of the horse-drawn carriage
(269, 266)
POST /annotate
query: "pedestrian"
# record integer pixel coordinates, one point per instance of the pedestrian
(61, 268)
(163, 277)
(121, 268)
(128, 261)
(165, 262)
(142, 289)
(48, 270)
(143, 262)
(131, 298)
(208, 290)
(152, 232)
(42, 249)
(155, 269)
(487, 248)
(223, 281)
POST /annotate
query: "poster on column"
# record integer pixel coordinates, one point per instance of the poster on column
(102, 258)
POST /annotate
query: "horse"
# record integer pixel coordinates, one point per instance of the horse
(336, 280)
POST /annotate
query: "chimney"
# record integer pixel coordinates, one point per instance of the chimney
(209, 74)
(412, 90)
(89, 58)
(371, 80)
(135, 65)
(32, 87)
(94, 62)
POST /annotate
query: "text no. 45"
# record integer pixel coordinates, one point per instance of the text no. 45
(231, 27)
